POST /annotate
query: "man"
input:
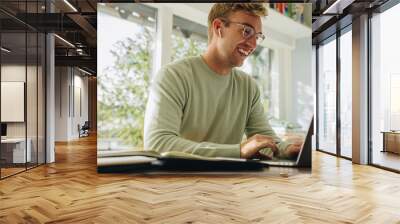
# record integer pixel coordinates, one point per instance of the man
(203, 105)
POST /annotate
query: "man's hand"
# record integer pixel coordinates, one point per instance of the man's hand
(293, 149)
(251, 146)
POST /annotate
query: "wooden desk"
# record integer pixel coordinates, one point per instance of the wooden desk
(156, 168)
(391, 141)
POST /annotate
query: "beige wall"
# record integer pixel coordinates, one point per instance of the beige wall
(71, 102)
(17, 73)
(92, 107)
(34, 124)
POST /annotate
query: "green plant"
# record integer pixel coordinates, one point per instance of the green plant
(123, 90)
(185, 47)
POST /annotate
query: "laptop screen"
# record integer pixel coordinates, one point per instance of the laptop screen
(304, 156)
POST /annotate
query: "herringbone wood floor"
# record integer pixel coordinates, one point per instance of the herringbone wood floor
(71, 191)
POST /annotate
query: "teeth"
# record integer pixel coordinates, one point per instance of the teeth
(246, 53)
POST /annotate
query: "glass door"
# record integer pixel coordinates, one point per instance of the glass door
(13, 109)
(346, 93)
(327, 96)
(385, 89)
(22, 76)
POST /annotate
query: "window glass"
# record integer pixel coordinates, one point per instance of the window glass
(126, 35)
(13, 87)
(327, 97)
(346, 94)
(258, 65)
(385, 85)
(188, 38)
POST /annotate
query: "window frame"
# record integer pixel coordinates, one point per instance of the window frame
(334, 37)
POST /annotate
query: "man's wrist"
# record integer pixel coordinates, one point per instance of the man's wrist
(240, 151)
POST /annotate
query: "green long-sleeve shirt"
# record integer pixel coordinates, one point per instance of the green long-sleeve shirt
(192, 109)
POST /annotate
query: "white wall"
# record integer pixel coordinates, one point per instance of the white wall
(70, 83)
(285, 76)
(33, 126)
(79, 117)
(15, 73)
(62, 81)
(296, 89)
(301, 86)
(314, 84)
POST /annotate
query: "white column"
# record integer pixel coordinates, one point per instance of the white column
(360, 90)
(71, 103)
(163, 49)
(50, 99)
(314, 87)
(285, 91)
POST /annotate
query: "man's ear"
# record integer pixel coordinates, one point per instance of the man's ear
(217, 24)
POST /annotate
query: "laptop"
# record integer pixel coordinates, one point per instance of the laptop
(215, 164)
(303, 158)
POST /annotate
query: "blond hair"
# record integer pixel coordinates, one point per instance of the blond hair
(223, 10)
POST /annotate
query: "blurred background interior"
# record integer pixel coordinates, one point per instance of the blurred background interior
(130, 54)
(50, 70)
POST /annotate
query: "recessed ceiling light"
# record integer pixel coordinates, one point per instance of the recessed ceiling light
(5, 50)
(70, 5)
(84, 71)
(337, 7)
(64, 40)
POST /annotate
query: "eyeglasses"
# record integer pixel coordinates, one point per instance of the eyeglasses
(248, 31)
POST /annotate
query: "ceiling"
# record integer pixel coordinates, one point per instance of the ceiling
(330, 16)
(74, 22)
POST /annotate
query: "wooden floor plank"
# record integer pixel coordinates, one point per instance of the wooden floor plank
(71, 191)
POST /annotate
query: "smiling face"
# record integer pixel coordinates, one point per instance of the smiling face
(232, 46)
